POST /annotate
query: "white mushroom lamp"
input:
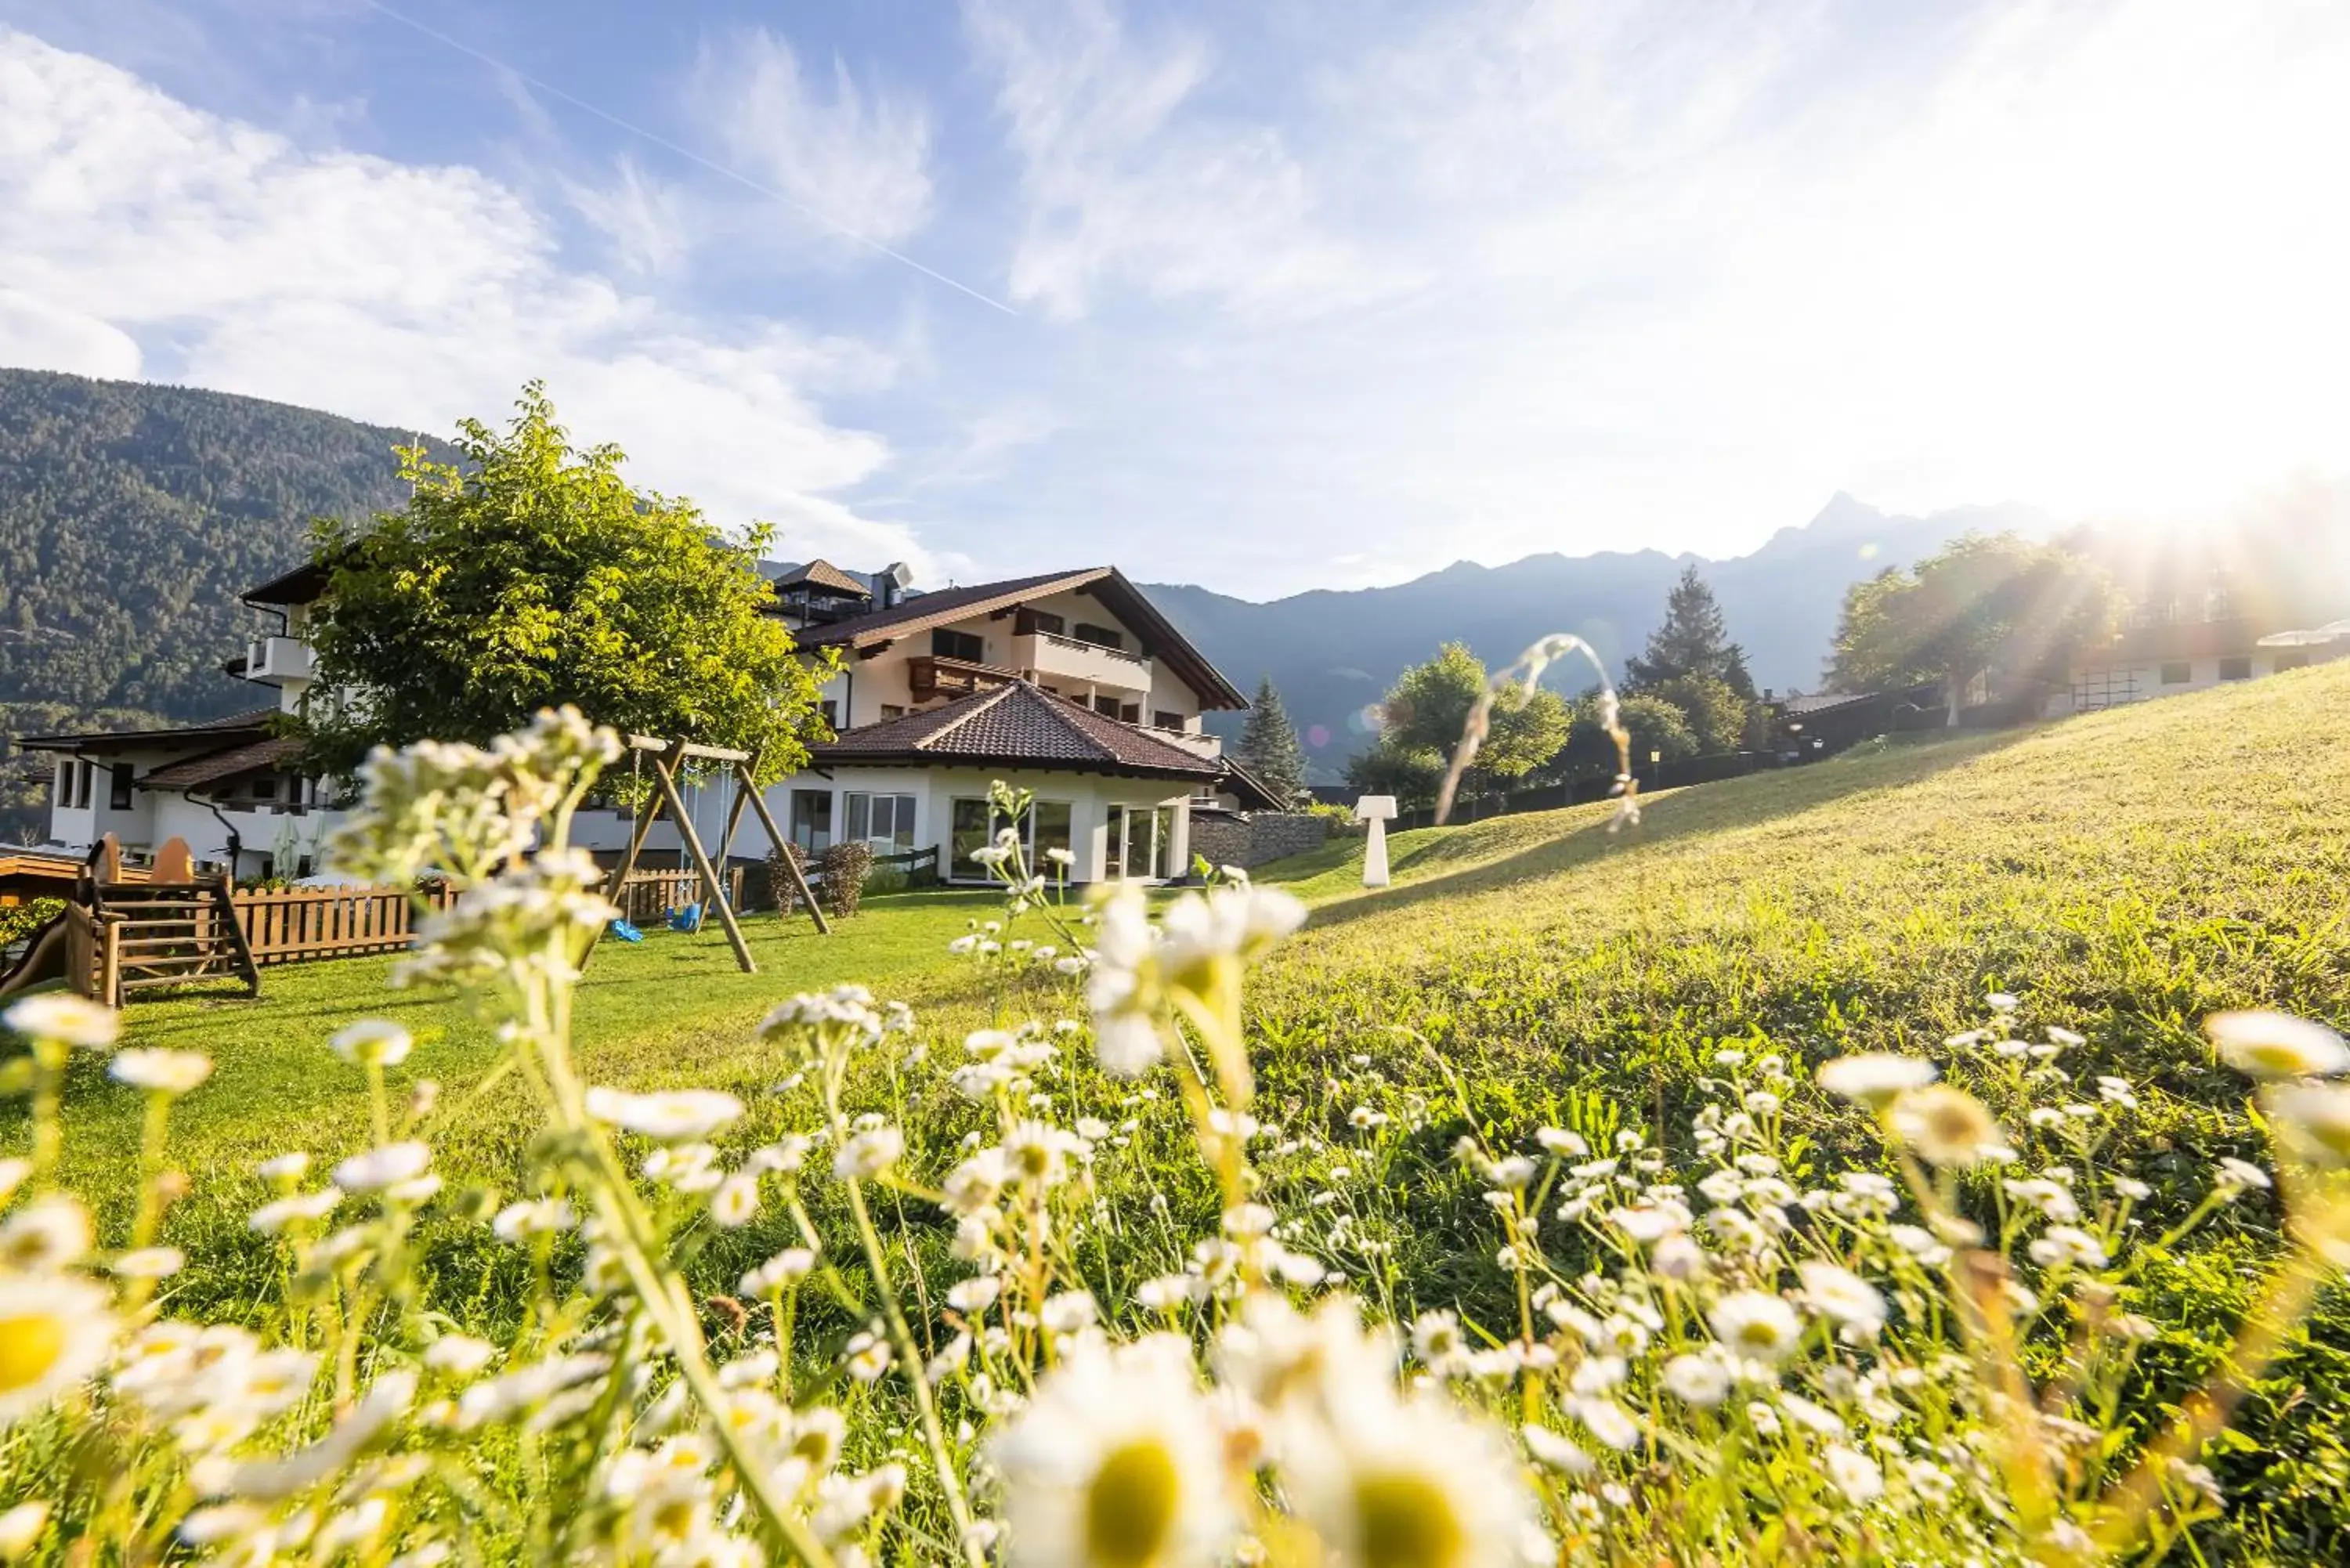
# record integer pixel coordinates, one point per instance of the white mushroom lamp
(1378, 810)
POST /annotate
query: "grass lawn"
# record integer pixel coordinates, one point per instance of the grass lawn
(2124, 873)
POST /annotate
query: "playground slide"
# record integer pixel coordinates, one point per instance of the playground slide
(45, 959)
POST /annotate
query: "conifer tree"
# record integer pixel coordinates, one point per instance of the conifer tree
(1692, 640)
(1268, 744)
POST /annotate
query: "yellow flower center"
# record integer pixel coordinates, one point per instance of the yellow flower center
(1130, 1507)
(29, 1347)
(1405, 1520)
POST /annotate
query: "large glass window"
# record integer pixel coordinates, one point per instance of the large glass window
(1049, 823)
(2235, 669)
(968, 829)
(1139, 841)
(2177, 672)
(811, 826)
(118, 787)
(884, 821)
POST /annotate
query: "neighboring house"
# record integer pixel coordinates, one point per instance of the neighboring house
(1068, 685)
(2159, 657)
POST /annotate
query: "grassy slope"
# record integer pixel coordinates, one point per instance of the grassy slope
(2125, 873)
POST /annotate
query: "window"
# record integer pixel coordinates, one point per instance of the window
(2237, 668)
(2296, 660)
(1100, 636)
(968, 830)
(1049, 826)
(831, 711)
(893, 711)
(118, 787)
(884, 821)
(1105, 706)
(962, 645)
(263, 787)
(1167, 721)
(2177, 672)
(1139, 840)
(811, 826)
(1130, 713)
(1029, 622)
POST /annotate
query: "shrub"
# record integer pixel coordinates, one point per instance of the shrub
(20, 920)
(781, 888)
(845, 865)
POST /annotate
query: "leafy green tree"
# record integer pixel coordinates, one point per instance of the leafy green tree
(1985, 602)
(534, 574)
(1692, 639)
(1714, 714)
(1425, 714)
(1655, 724)
(1268, 744)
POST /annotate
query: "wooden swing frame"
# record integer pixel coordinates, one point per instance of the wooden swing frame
(665, 755)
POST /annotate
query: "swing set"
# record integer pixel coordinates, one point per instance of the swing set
(665, 757)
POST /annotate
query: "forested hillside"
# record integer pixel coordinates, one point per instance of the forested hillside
(130, 517)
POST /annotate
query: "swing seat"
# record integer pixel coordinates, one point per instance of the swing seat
(687, 920)
(627, 932)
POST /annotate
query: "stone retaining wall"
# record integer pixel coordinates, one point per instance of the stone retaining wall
(1260, 836)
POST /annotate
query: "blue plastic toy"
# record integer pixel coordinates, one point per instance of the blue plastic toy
(627, 932)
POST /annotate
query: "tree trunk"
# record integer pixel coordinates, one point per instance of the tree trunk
(1954, 688)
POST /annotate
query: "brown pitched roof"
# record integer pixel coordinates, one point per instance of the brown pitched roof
(824, 575)
(1107, 584)
(255, 756)
(1019, 724)
(254, 719)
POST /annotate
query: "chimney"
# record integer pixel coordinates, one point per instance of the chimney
(891, 583)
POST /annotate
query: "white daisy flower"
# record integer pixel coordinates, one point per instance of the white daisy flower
(45, 1236)
(376, 1042)
(1843, 1295)
(1756, 1324)
(2234, 1172)
(736, 1202)
(1114, 1463)
(1854, 1473)
(787, 1267)
(1874, 1078)
(283, 1167)
(161, 1072)
(1411, 1481)
(54, 1331)
(521, 1221)
(64, 1020)
(1946, 1125)
(1699, 1380)
(867, 1154)
(387, 1165)
(459, 1354)
(20, 1529)
(299, 1208)
(676, 1115)
(2277, 1046)
(2314, 1119)
(150, 1263)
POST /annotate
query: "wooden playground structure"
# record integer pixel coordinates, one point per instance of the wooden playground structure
(119, 935)
(664, 757)
(126, 930)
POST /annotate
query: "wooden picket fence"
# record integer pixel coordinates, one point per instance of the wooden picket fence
(647, 893)
(295, 925)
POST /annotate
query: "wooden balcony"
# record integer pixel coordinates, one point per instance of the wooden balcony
(929, 676)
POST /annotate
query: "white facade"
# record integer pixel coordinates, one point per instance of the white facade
(1137, 830)
(2100, 684)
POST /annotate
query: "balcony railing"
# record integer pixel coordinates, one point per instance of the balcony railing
(275, 660)
(1199, 742)
(929, 676)
(1044, 656)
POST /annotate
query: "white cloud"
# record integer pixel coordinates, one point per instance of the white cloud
(1686, 268)
(1126, 181)
(648, 222)
(401, 295)
(857, 159)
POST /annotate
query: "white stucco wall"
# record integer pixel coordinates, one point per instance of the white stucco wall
(1093, 801)
(2100, 686)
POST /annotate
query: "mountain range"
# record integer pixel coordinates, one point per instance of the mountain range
(131, 516)
(1333, 653)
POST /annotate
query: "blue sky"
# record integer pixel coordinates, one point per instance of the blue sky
(1267, 295)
